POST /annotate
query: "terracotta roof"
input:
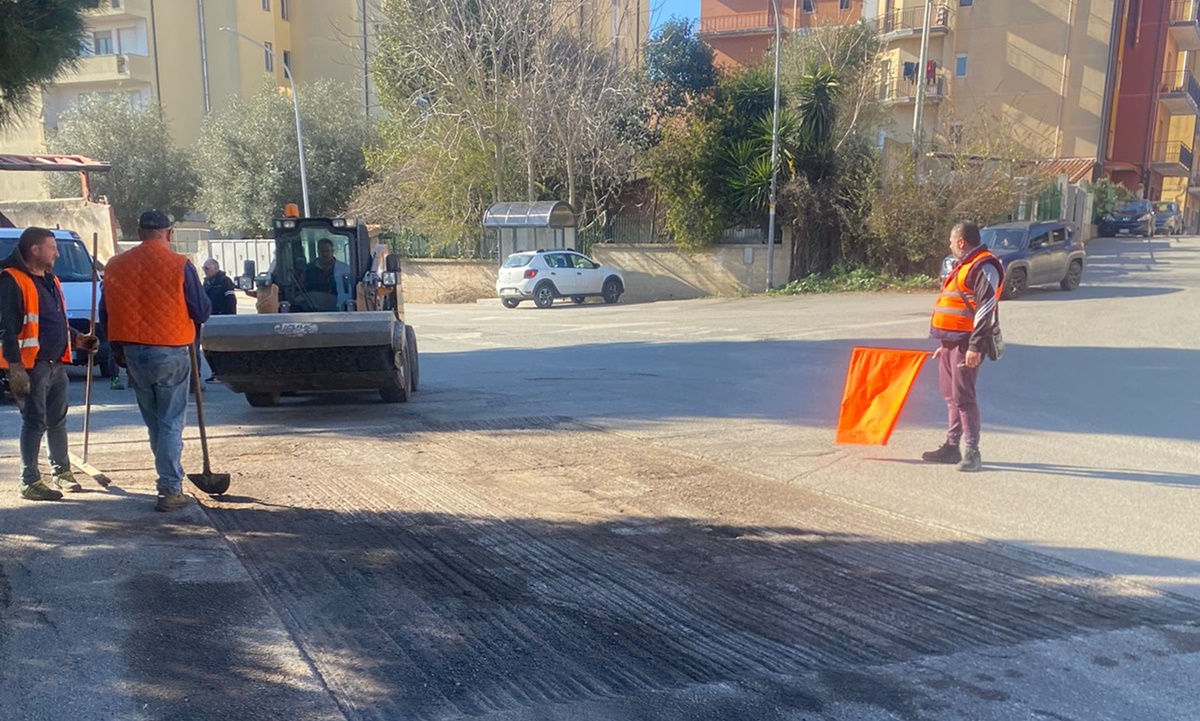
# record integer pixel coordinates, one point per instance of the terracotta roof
(1076, 169)
(52, 162)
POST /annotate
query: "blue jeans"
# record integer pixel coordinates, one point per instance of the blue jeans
(44, 412)
(159, 377)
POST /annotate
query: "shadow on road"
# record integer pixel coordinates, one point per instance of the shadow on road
(423, 615)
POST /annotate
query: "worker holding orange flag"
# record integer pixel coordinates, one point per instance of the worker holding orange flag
(965, 321)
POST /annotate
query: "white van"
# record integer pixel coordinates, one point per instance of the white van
(74, 271)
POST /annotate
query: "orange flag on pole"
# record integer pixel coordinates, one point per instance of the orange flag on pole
(877, 384)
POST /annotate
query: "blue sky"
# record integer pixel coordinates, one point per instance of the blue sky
(661, 10)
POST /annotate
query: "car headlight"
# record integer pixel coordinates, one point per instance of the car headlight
(1109, 218)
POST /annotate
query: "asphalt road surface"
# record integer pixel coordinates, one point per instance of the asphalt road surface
(638, 512)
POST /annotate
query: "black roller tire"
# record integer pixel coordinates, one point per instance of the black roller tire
(510, 302)
(401, 386)
(543, 295)
(1016, 285)
(612, 291)
(262, 400)
(414, 362)
(1073, 277)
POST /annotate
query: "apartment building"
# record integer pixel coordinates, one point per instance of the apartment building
(178, 55)
(742, 31)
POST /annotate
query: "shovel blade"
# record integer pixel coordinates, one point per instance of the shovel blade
(214, 484)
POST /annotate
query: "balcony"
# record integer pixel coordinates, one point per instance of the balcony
(1180, 93)
(121, 9)
(110, 69)
(1172, 160)
(757, 23)
(908, 22)
(1185, 24)
(904, 91)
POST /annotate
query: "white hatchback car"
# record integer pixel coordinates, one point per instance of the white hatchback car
(544, 275)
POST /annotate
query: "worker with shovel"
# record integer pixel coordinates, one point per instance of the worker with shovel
(153, 302)
(37, 342)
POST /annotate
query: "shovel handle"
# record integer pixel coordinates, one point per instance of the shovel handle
(87, 394)
(199, 406)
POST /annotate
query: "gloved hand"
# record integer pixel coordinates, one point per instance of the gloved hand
(89, 343)
(18, 381)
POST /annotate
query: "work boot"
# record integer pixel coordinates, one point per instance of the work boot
(972, 461)
(66, 482)
(39, 491)
(172, 502)
(946, 454)
(117, 384)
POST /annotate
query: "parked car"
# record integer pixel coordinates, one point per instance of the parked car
(1033, 253)
(545, 275)
(74, 271)
(1131, 217)
(1167, 218)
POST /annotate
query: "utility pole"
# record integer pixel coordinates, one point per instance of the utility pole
(774, 151)
(922, 80)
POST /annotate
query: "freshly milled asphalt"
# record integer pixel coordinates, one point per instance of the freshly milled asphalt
(638, 512)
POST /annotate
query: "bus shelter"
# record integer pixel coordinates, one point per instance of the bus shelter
(545, 224)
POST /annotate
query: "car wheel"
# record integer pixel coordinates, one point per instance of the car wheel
(543, 295)
(1018, 281)
(511, 302)
(262, 400)
(578, 299)
(1074, 275)
(611, 291)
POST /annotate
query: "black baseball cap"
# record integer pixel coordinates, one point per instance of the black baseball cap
(154, 220)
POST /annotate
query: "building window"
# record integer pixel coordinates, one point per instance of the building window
(267, 5)
(965, 3)
(283, 10)
(116, 4)
(102, 43)
(843, 5)
(269, 53)
(287, 60)
(960, 66)
(810, 6)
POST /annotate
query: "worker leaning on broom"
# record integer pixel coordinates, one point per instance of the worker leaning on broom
(37, 342)
(152, 304)
(963, 320)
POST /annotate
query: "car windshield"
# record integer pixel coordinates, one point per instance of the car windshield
(74, 265)
(1003, 238)
(321, 277)
(1164, 207)
(517, 261)
(1134, 206)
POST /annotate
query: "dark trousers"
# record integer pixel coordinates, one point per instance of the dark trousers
(957, 383)
(44, 412)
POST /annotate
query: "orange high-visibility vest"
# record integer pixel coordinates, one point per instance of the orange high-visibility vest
(954, 312)
(28, 337)
(143, 295)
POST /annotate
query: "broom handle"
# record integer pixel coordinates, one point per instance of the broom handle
(87, 393)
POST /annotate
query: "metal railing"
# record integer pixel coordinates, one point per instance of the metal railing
(912, 20)
(1183, 82)
(1173, 152)
(906, 89)
(741, 23)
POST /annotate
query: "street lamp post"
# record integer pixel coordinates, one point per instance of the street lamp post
(287, 73)
(774, 151)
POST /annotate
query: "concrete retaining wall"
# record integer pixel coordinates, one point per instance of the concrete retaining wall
(69, 214)
(435, 280)
(663, 272)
